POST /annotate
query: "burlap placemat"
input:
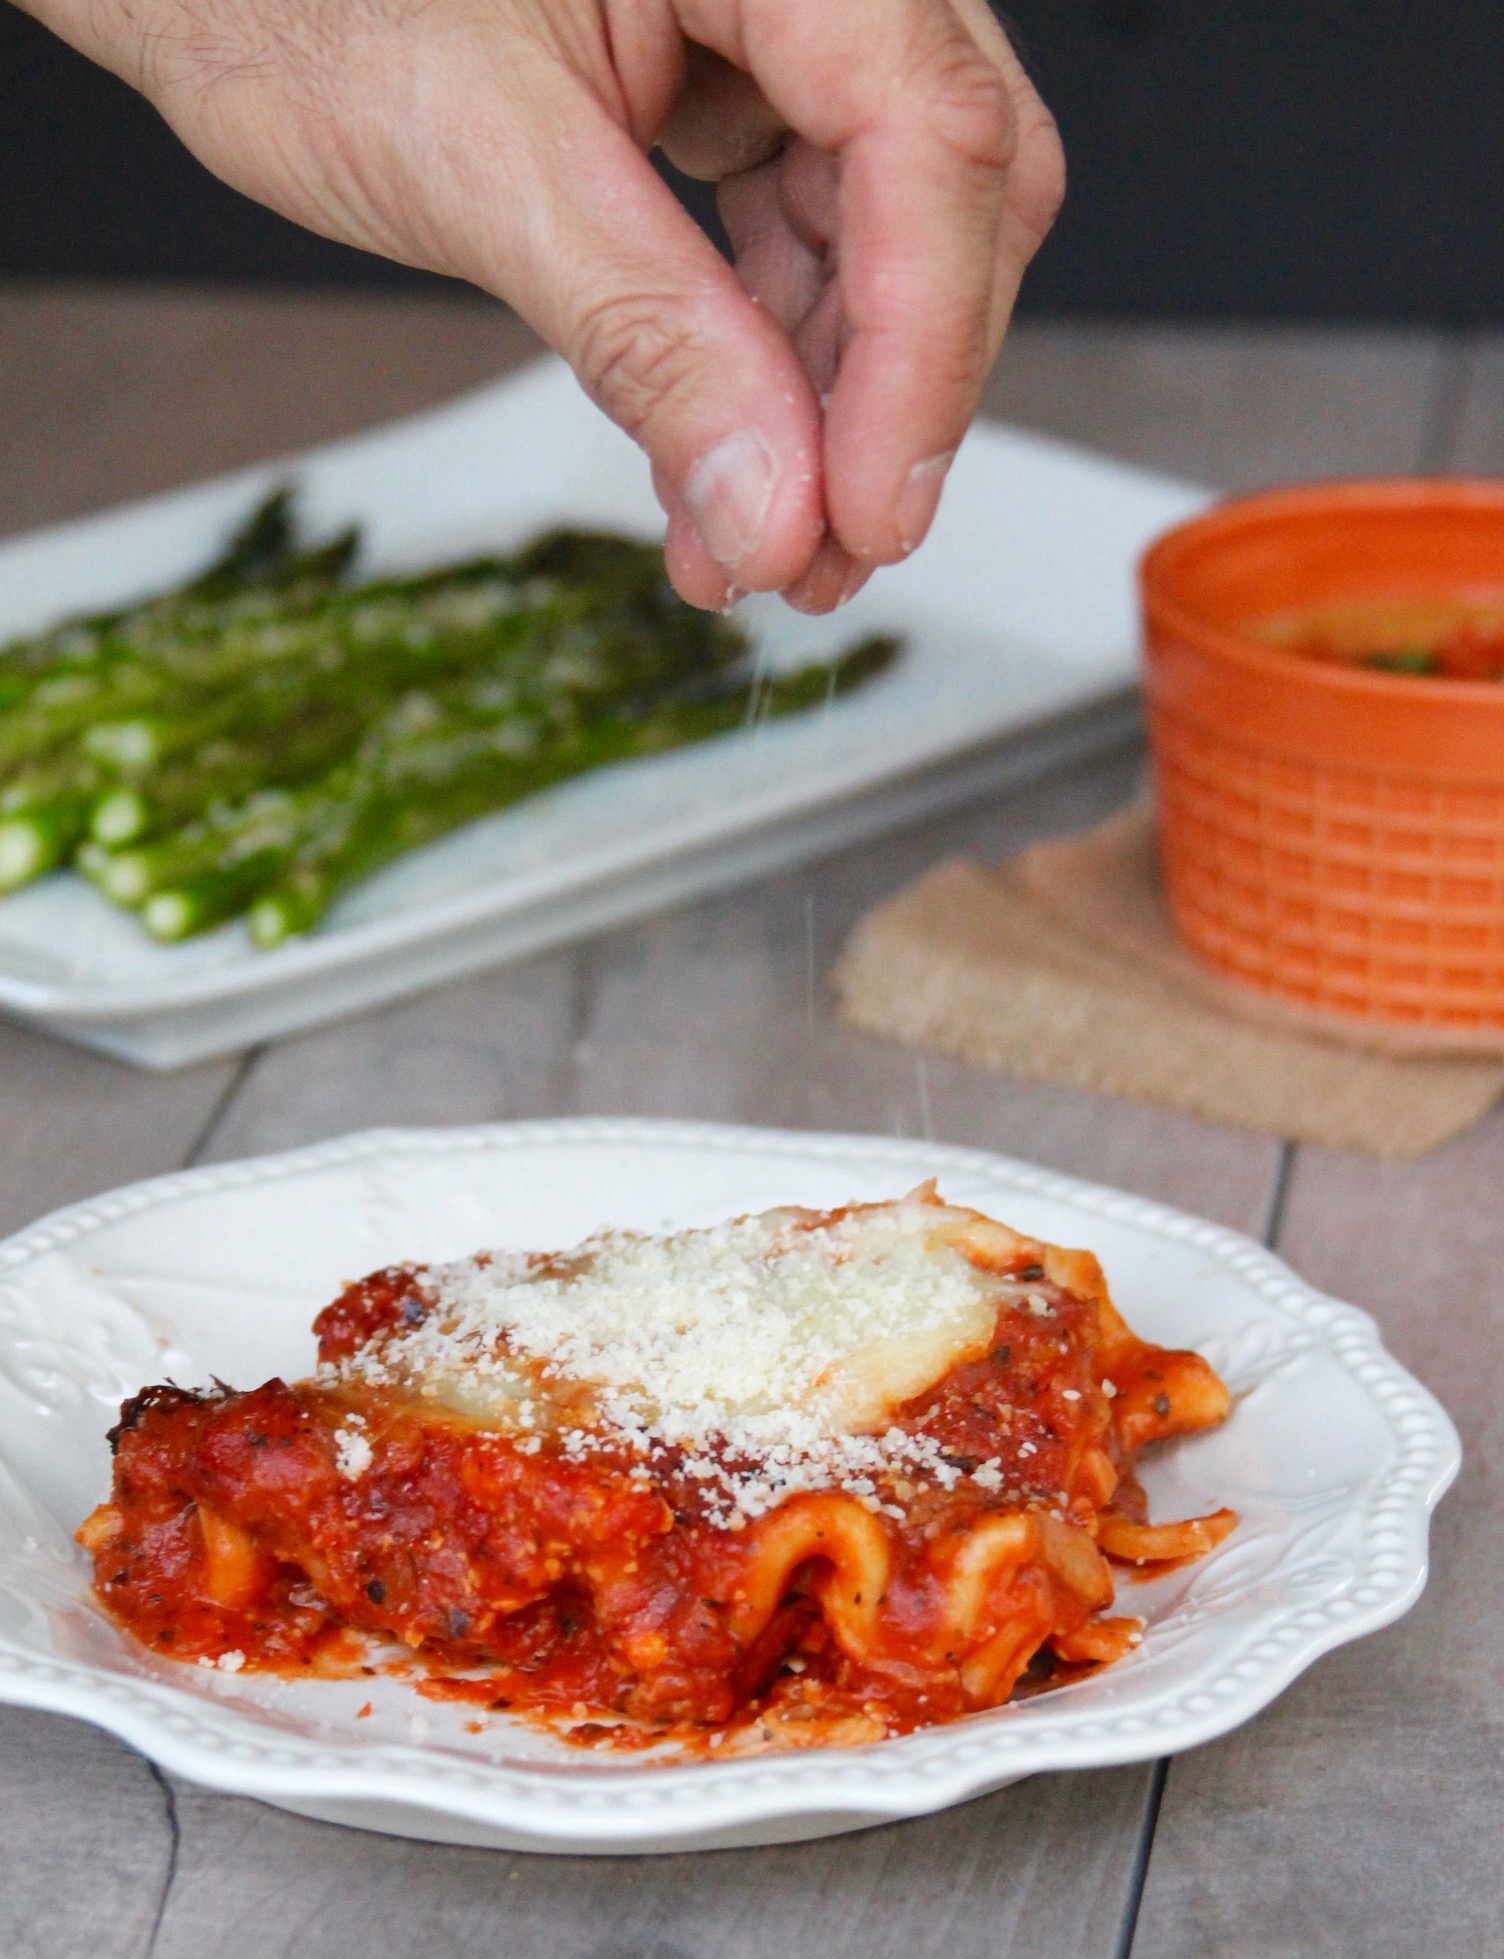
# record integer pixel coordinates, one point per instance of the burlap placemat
(1062, 966)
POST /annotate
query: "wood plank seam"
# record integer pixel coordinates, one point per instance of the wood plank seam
(199, 1147)
(1138, 1876)
(175, 1837)
(1279, 1195)
(1269, 1236)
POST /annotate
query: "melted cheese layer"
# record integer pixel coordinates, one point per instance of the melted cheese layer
(772, 1330)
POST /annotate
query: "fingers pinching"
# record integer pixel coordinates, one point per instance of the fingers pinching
(834, 577)
(946, 172)
(923, 200)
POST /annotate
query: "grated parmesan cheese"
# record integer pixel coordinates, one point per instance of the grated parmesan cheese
(352, 1448)
(769, 1352)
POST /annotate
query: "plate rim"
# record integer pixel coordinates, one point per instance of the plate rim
(908, 1776)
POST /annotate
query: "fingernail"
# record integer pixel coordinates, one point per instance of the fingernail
(730, 492)
(921, 496)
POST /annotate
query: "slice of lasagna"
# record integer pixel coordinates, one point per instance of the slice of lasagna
(810, 1476)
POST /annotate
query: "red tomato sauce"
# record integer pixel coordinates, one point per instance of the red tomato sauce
(594, 1590)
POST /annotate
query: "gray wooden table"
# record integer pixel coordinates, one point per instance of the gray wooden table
(1361, 1815)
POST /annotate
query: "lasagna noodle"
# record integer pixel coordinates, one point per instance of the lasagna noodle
(810, 1476)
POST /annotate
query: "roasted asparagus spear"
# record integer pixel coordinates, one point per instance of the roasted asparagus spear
(433, 765)
(269, 732)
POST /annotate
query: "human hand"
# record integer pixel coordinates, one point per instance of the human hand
(886, 172)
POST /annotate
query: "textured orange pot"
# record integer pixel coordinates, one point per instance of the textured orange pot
(1329, 833)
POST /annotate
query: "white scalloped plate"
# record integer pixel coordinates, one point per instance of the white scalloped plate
(1333, 1456)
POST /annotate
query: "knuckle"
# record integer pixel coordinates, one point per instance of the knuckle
(959, 362)
(1039, 176)
(970, 109)
(636, 354)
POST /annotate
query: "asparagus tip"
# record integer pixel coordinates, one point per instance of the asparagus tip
(121, 875)
(127, 745)
(118, 817)
(24, 853)
(269, 923)
(168, 916)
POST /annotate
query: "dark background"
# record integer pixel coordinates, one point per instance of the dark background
(1257, 159)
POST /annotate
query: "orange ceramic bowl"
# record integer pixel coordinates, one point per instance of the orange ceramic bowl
(1330, 833)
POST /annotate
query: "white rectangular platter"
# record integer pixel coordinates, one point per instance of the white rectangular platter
(1018, 613)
